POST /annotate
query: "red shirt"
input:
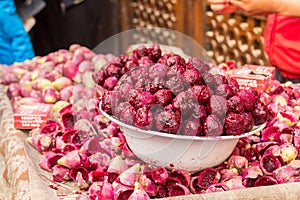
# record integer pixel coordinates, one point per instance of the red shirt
(282, 44)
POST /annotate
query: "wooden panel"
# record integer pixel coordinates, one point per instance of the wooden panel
(184, 16)
(194, 19)
(235, 37)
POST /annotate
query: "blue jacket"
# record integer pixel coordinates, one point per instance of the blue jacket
(15, 43)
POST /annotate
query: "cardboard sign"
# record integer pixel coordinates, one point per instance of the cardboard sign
(254, 76)
(31, 116)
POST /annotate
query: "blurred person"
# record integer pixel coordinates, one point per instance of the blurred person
(65, 22)
(281, 34)
(15, 43)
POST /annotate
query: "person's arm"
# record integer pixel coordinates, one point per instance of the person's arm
(283, 7)
(222, 6)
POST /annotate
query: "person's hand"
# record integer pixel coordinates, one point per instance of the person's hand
(222, 6)
(252, 7)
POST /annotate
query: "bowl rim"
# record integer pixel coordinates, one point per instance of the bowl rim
(254, 130)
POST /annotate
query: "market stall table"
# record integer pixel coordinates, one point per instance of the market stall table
(22, 178)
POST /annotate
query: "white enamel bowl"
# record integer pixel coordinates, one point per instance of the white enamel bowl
(191, 153)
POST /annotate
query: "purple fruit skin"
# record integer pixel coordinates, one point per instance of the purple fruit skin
(235, 104)
(264, 181)
(248, 98)
(200, 113)
(158, 70)
(143, 118)
(168, 121)
(164, 97)
(202, 93)
(185, 103)
(198, 64)
(233, 124)
(125, 112)
(99, 77)
(192, 127)
(208, 177)
(154, 52)
(269, 163)
(260, 113)
(225, 91)
(110, 83)
(175, 59)
(212, 126)
(217, 106)
(192, 76)
(176, 84)
(113, 70)
(175, 70)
